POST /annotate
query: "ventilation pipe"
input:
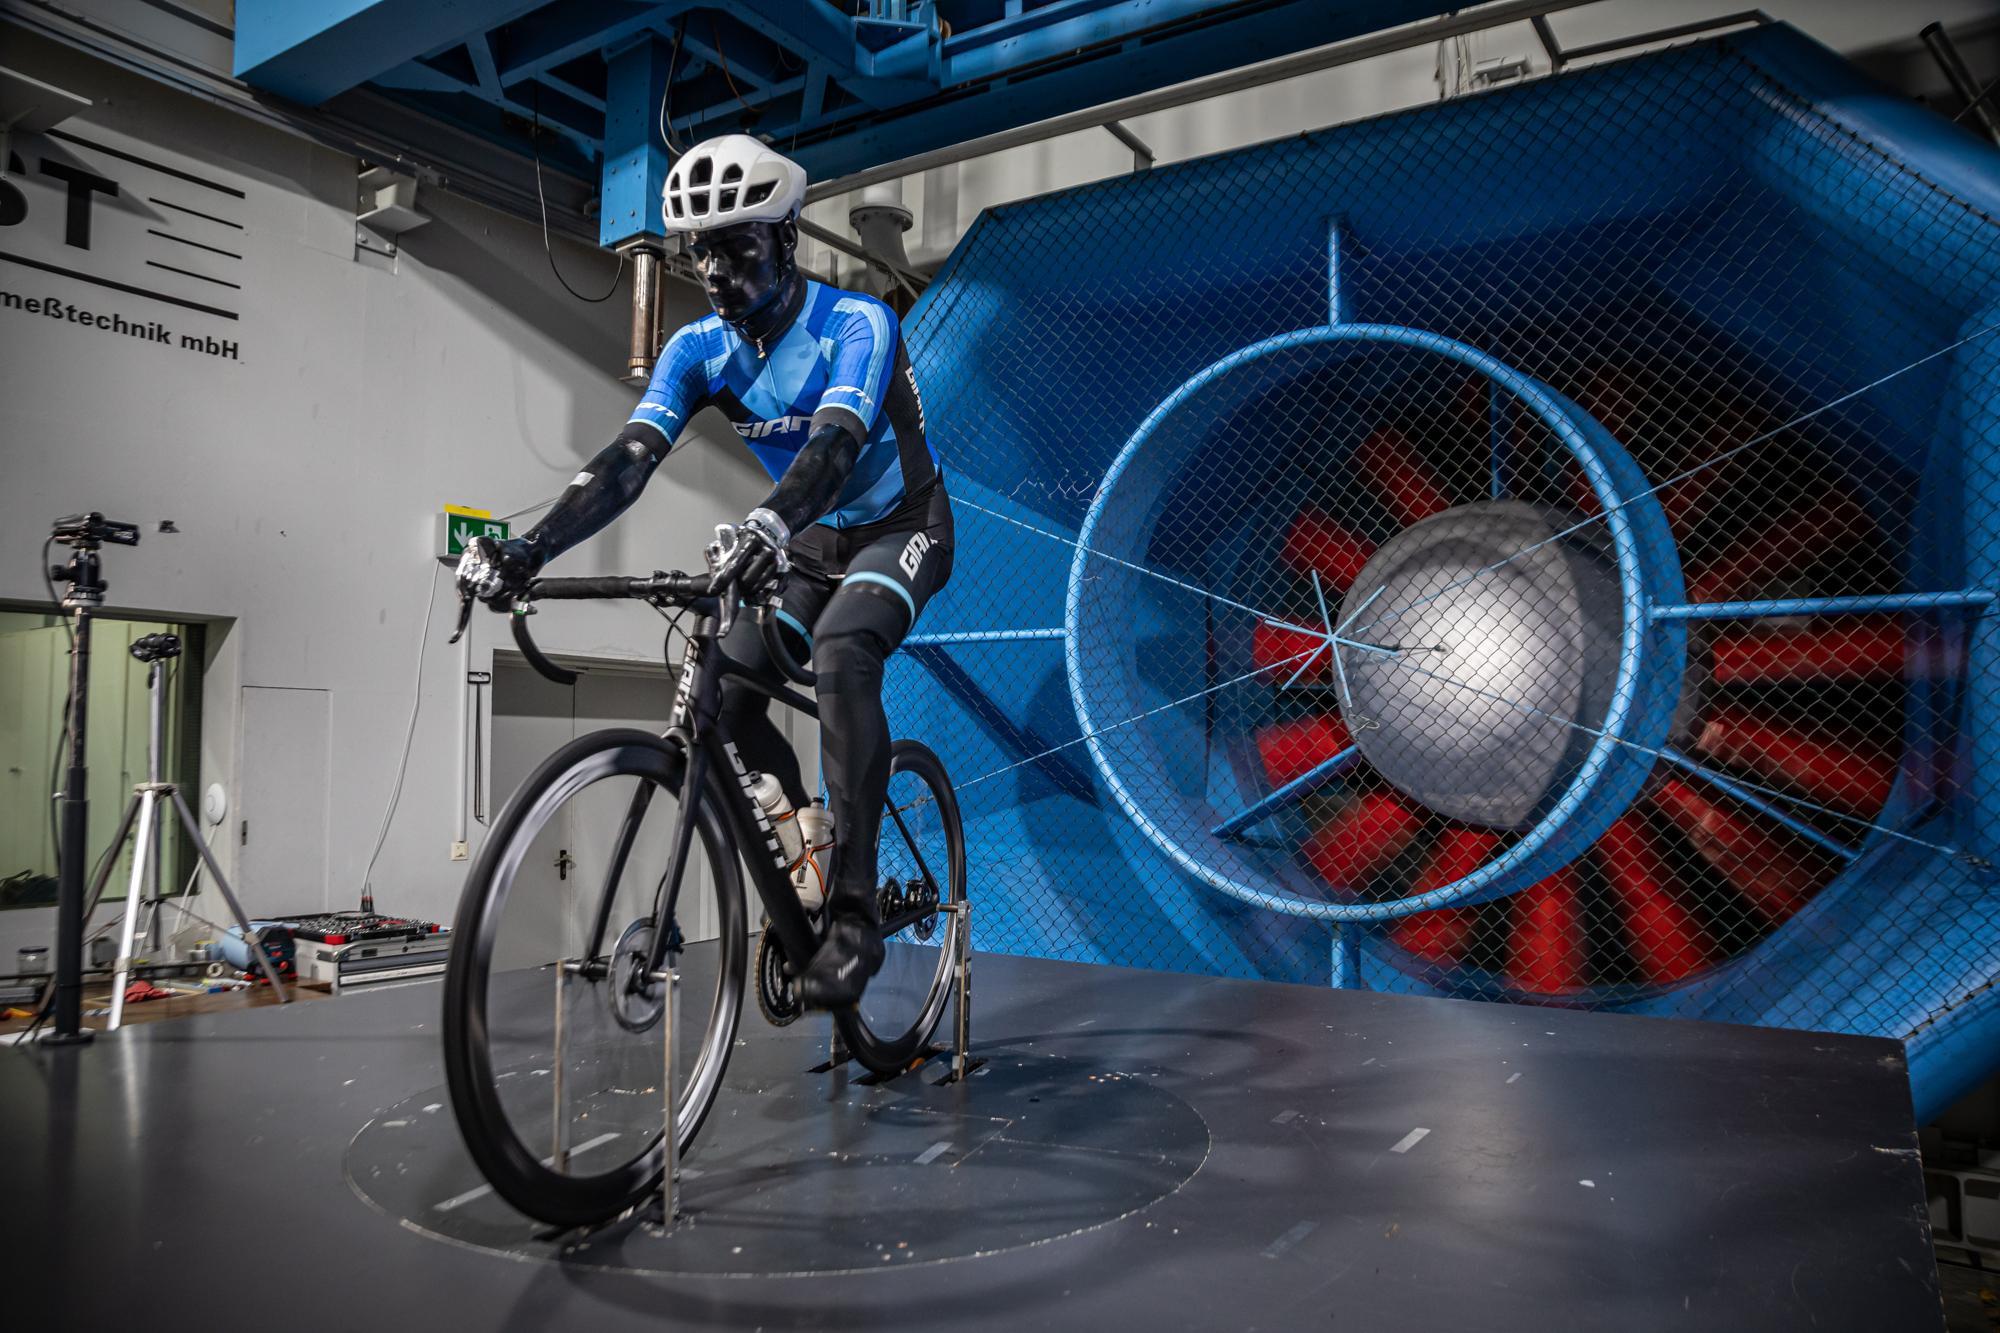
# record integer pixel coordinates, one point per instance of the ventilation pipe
(880, 220)
(645, 315)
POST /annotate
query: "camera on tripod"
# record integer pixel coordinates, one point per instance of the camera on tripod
(156, 647)
(87, 532)
(84, 534)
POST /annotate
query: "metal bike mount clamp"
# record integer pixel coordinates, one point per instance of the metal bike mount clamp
(670, 1174)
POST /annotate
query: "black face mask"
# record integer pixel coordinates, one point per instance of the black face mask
(747, 269)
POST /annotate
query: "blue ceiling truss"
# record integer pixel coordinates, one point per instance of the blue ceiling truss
(841, 86)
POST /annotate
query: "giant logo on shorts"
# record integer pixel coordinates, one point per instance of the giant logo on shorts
(913, 554)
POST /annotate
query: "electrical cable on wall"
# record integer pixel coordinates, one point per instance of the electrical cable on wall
(535, 145)
(667, 93)
(409, 736)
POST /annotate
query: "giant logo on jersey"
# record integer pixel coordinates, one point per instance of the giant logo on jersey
(757, 430)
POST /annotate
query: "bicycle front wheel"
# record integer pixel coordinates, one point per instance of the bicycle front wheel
(920, 867)
(556, 1043)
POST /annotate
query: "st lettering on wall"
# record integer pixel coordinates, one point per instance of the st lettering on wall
(125, 241)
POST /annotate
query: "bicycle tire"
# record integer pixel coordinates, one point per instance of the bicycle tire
(893, 1052)
(518, 1173)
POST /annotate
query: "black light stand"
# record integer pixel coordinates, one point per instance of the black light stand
(83, 534)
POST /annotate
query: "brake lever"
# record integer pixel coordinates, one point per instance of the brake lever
(466, 601)
(716, 553)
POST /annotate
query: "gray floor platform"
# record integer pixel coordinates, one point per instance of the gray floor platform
(1144, 1150)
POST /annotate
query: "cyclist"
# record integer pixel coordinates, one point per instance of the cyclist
(816, 382)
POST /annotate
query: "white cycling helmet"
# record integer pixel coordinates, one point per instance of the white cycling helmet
(729, 179)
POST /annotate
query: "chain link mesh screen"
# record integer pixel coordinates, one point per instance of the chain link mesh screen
(1539, 624)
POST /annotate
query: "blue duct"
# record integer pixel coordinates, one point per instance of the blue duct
(1747, 207)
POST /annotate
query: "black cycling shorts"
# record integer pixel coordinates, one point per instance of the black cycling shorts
(899, 560)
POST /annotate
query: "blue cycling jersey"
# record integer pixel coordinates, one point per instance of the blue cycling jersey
(842, 356)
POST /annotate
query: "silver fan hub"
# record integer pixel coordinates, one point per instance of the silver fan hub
(1492, 660)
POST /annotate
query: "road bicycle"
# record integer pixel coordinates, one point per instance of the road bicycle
(563, 1102)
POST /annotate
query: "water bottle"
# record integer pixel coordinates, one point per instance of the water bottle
(814, 868)
(777, 807)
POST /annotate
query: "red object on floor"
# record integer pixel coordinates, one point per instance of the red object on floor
(1545, 953)
(1850, 649)
(1855, 777)
(139, 989)
(1399, 478)
(1663, 936)
(1760, 861)
(1444, 934)
(1359, 842)
(1281, 652)
(1290, 749)
(1781, 549)
(1317, 543)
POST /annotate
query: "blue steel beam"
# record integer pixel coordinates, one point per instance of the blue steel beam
(309, 50)
(856, 139)
(561, 33)
(817, 31)
(635, 161)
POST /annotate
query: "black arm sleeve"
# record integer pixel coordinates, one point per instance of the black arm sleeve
(813, 481)
(605, 488)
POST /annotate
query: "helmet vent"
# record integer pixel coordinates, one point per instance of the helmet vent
(758, 193)
(732, 172)
(702, 171)
(726, 198)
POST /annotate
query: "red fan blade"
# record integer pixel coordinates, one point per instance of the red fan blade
(1444, 935)
(1853, 777)
(1290, 749)
(1400, 478)
(1665, 939)
(1358, 843)
(1779, 550)
(1316, 542)
(1758, 861)
(1863, 648)
(1612, 397)
(1693, 475)
(1582, 496)
(1545, 953)
(1282, 651)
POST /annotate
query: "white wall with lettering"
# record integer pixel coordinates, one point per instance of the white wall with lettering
(187, 335)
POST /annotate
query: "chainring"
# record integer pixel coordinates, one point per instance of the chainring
(777, 993)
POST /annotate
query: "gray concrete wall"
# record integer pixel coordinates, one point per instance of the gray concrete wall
(304, 472)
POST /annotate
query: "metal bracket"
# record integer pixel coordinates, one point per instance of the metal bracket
(962, 1064)
(385, 206)
(670, 1141)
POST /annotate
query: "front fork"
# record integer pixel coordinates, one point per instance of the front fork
(697, 702)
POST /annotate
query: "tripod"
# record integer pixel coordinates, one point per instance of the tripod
(148, 805)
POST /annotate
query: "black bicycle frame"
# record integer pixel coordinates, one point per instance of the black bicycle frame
(695, 726)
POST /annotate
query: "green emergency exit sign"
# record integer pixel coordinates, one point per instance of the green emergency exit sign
(459, 525)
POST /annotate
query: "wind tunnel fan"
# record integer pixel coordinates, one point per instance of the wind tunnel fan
(1423, 650)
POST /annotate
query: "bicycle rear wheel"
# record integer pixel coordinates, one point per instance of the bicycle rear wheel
(578, 1139)
(920, 867)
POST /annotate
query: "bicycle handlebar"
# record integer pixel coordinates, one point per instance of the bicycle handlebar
(671, 587)
(674, 587)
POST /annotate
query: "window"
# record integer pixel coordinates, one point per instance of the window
(34, 677)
